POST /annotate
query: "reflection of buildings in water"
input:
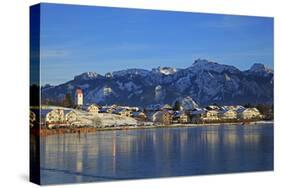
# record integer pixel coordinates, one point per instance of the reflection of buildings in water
(79, 157)
(231, 137)
(79, 168)
(114, 153)
(183, 138)
(167, 142)
(49, 151)
(212, 137)
(216, 138)
(231, 140)
(164, 150)
(114, 144)
(125, 142)
(208, 136)
(251, 138)
(69, 150)
(210, 142)
(154, 139)
(79, 165)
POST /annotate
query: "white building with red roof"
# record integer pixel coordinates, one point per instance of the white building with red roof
(79, 97)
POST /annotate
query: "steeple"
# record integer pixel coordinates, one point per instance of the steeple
(79, 97)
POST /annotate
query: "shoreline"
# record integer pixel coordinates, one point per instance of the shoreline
(79, 130)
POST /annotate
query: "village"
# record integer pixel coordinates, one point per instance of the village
(114, 116)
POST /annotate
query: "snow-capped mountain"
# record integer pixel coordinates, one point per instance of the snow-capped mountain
(259, 69)
(205, 65)
(204, 81)
(87, 76)
(165, 70)
(141, 72)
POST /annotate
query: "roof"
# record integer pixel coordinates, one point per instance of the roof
(158, 113)
(255, 109)
(120, 110)
(166, 106)
(223, 108)
(67, 111)
(222, 111)
(214, 111)
(161, 112)
(137, 113)
(105, 109)
(91, 105)
(179, 113)
(78, 91)
(86, 106)
(212, 107)
(197, 111)
(240, 110)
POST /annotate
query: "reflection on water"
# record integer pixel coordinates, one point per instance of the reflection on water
(115, 155)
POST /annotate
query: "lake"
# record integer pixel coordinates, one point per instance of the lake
(151, 153)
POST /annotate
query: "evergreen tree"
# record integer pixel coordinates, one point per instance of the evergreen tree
(68, 101)
(248, 105)
(177, 106)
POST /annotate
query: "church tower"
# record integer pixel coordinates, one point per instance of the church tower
(79, 97)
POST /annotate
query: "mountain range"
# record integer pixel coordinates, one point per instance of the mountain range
(206, 82)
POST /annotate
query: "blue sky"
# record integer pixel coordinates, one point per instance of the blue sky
(76, 39)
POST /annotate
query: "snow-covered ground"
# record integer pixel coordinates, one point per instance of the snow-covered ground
(97, 120)
(103, 119)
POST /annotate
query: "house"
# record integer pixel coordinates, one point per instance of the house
(32, 117)
(93, 108)
(163, 117)
(70, 116)
(248, 113)
(180, 117)
(166, 107)
(227, 114)
(79, 97)
(197, 115)
(203, 115)
(141, 116)
(211, 115)
(56, 115)
(52, 116)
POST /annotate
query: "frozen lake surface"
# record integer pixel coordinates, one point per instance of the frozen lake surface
(151, 153)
